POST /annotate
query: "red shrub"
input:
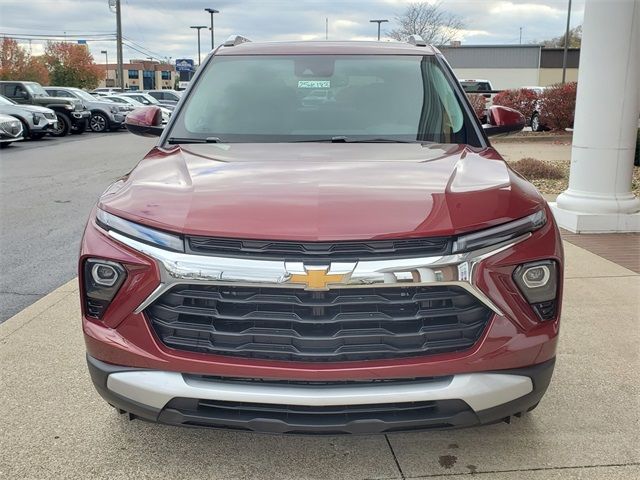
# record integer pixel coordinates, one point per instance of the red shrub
(523, 100)
(557, 106)
(479, 104)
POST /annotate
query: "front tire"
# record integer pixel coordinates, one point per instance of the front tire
(535, 123)
(79, 128)
(99, 123)
(64, 125)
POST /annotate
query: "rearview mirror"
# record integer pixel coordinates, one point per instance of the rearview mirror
(145, 121)
(503, 120)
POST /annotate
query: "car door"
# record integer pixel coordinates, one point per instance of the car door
(16, 92)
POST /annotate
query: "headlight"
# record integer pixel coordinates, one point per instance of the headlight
(499, 234)
(140, 232)
(69, 107)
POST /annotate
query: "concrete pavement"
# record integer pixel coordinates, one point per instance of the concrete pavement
(53, 424)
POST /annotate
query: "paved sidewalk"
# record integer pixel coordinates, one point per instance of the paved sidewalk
(53, 424)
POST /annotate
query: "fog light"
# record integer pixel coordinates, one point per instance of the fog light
(104, 274)
(536, 277)
(538, 283)
(102, 280)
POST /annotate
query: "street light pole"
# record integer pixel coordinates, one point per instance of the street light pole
(198, 28)
(378, 22)
(212, 11)
(106, 67)
(566, 46)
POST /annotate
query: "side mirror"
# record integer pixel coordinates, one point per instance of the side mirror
(24, 94)
(503, 120)
(145, 121)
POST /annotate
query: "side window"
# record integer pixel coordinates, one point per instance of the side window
(15, 91)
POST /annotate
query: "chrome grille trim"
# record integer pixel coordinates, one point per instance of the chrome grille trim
(182, 268)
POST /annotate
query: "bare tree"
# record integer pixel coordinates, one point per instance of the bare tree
(430, 21)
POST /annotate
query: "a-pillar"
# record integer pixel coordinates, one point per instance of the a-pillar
(599, 197)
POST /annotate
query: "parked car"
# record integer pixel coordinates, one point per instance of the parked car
(108, 90)
(367, 265)
(36, 121)
(10, 130)
(165, 97)
(131, 103)
(72, 116)
(146, 99)
(104, 115)
(479, 87)
(534, 121)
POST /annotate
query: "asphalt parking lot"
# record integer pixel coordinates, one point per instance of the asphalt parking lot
(47, 188)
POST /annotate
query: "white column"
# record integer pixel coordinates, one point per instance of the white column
(599, 197)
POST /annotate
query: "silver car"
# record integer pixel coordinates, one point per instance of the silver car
(10, 130)
(36, 121)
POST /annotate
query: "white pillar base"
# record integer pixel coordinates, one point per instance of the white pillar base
(580, 222)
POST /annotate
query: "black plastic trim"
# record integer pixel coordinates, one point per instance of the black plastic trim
(232, 415)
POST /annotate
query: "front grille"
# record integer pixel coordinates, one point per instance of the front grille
(334, 325)
(326, 250)
(331, 420)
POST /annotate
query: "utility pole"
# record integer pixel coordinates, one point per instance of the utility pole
(566, 45)
(520, 35)
(106, 66)
(326, 28)
(198, 28)
(378, 22)
(120, 75)
(212, 11)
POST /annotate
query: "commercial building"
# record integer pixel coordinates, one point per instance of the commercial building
(512, 66)
(142, 75)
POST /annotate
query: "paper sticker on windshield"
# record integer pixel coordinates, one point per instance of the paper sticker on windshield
(314, 84)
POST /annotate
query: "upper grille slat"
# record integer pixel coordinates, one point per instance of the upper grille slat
(343, 324)
(329, 250)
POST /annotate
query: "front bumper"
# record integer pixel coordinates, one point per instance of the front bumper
(321, 407)
(79, 116)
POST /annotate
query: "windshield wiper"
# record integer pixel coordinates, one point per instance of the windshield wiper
(344, 139)
(175, 140)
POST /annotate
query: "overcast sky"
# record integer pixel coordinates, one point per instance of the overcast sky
(161, 27)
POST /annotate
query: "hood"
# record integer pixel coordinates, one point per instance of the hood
(45, 100)
(24, 108)
(321, 191)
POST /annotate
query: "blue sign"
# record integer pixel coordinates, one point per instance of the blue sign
(184, 65)
(82, 42)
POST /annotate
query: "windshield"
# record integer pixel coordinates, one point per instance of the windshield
(476, 86)
(283, 98)
(36, 89)
(6, 101)
(84, 95)
(144, 99)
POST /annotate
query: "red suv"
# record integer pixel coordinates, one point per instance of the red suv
(362, 263)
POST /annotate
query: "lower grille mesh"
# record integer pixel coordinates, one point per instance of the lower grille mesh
(335, 325)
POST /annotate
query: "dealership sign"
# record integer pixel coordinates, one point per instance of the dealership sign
(184, 65)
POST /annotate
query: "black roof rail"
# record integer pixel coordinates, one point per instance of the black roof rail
(234, 40)
(416, 40)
